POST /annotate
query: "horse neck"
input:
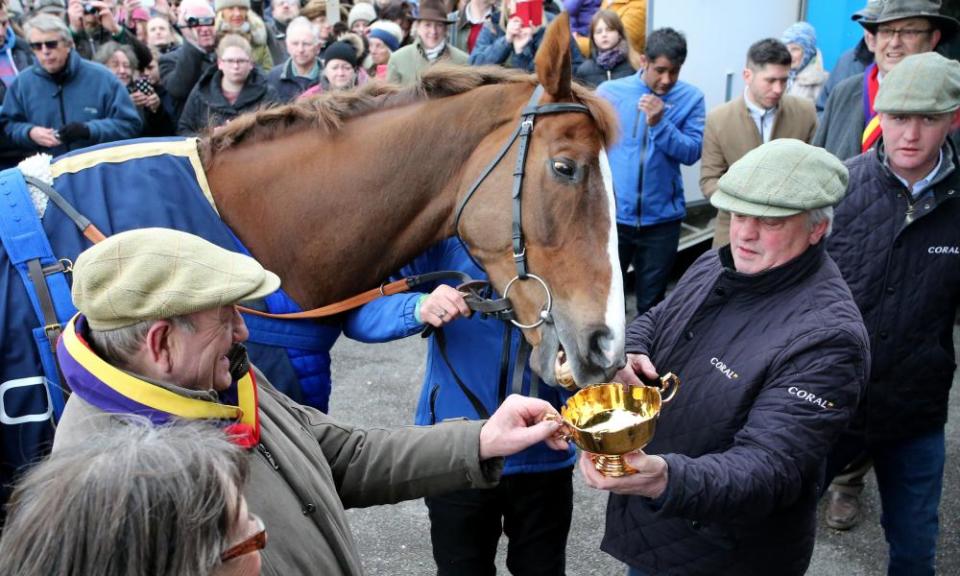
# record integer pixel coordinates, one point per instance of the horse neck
(336, 214)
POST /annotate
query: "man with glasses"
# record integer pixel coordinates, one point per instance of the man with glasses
(64, 102)
(181, 69)
(849, 125)
(158, 335)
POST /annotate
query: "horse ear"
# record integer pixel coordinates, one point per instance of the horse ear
(554, 68)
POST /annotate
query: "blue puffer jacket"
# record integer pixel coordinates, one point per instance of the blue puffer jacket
(771, 366)
(659, 150)
(901, 259)
(474, 346)
(84, 92)
(492, 46)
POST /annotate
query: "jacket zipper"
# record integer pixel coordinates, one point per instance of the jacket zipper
(643, 154)
(268, 456)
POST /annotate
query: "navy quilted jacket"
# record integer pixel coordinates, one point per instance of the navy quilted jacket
(902, 262)
(771, 366)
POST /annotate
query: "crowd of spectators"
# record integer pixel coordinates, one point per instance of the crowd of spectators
(78, 73)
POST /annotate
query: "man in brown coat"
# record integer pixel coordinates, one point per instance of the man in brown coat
(158, 336)
(762, 114)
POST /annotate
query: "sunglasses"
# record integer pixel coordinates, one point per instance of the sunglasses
(197, 22)
(48, 44)
(256, 542)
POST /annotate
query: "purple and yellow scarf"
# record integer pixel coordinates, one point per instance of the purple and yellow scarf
(117, 392)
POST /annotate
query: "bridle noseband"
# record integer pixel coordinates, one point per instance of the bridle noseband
(522, 132)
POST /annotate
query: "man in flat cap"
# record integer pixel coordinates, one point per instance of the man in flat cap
(158, 335)
(898, 246)
(772, 354)
(849, 124)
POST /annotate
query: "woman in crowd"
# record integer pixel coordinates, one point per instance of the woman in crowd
(430, 45)
(611, 55)
(341, 68)
(146, 94)
(160, 35)
(150, 502)
(235, 86)
(507, 41)
(360, 17)
(316, 12)
(236, 17)
(383, 38)
(807, 75)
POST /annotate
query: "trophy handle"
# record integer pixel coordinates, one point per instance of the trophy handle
(669, 382)
(564, 432)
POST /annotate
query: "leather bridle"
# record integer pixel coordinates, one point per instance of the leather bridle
(522, 133)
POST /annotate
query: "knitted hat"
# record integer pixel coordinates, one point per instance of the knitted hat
(340, 50)
(924, 83)
(157, 273)
(222, 4)
(361, 11)
(387, 32)
(781, 178)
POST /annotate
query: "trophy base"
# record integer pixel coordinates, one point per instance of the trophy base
(612, 466)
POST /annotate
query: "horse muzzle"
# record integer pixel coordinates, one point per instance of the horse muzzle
(574, 359)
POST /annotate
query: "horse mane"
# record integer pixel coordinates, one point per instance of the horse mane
(328, 112)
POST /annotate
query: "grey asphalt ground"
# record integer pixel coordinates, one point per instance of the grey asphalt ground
(379, 385)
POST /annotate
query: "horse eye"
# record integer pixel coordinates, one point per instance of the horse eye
(565, 168)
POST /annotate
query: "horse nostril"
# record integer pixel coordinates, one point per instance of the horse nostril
(600, 348)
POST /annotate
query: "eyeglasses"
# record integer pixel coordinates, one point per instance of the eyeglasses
(199, 21)
(48, 44)
(235, 61)
(256, 542)
(906, 34)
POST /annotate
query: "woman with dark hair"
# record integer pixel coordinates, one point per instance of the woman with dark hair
(151, 501)
(611, 55)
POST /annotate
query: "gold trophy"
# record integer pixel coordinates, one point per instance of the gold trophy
(610, 420)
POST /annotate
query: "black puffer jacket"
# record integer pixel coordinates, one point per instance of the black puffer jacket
(592, 74)
(902, 262)
(771, 367)
(207, 106)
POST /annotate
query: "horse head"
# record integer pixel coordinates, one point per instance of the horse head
(550, 245)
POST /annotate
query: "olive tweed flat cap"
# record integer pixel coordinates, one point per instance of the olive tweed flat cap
(781, 178)
(924, 83)
(156, 273)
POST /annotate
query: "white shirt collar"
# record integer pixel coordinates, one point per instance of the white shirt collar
(922, 184)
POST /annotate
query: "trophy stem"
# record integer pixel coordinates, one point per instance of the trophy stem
(612, 466)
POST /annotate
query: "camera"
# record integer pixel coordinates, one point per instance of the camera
(89, 8)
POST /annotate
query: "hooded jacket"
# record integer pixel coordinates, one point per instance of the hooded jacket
(82, 92)
(207, 106)
(901, 258)
(771, 366)
(267, 51)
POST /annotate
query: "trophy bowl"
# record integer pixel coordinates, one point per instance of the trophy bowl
(613, 419)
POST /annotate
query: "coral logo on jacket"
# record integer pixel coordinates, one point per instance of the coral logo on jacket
(723, 368)
(952, 250)
(809, 397)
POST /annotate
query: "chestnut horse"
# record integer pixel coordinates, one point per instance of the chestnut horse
(335, 194)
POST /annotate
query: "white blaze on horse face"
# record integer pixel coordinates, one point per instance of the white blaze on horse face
(615, 318)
